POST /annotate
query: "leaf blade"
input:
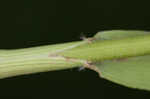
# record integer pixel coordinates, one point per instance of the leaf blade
(132, 72)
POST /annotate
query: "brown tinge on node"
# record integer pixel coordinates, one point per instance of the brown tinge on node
(90, 65)
(89, 40)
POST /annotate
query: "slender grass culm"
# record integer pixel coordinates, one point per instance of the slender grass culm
(121, 56)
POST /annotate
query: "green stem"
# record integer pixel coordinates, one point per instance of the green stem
(37, 59)
(55, 57)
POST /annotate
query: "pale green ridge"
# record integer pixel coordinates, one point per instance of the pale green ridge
(119, 34)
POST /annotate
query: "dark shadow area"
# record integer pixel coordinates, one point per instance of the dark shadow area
(28, 23)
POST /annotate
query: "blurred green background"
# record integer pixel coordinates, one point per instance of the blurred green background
(28, 23)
